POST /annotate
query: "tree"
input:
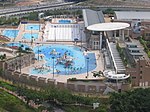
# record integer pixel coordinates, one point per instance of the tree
(33, 16)
(2, 57)
(109, 11)
(132, 101)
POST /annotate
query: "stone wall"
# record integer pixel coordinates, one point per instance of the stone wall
(18, 62)
(10, 73)
(35, 81)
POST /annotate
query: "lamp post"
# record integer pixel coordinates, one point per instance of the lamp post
(38, 50)
(39, 26)
(53, 66)
(65, 70)
(31, 31)
(55, 33)
(87, 66)
(12, 46)
(20, 50)
(47, 33)
(15, 34)
(81, 37)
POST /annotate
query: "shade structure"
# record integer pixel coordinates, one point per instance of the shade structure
(108, 26)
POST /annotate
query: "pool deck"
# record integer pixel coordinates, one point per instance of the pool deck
(58, 77)
(22, 30)
(63, 78)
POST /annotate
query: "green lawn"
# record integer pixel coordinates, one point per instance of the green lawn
(10, 103)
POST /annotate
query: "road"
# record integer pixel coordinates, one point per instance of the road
(64, 5)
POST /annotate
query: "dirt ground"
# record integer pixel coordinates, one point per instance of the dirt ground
(28, 2)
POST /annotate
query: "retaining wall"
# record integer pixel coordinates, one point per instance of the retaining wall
(36, 81)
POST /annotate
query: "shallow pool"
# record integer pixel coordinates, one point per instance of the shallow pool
(62, 59)
(17, 45)
(32, 27)
(29, 36)
(10, 33)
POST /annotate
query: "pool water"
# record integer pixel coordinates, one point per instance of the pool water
(32, 27)
(24, 46)
(10, 33)
(64, 21)
(29, 36)
(65, 60)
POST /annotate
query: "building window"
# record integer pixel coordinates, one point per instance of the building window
(133, 77)
(141, 66)
(140, 72)
(140, 77)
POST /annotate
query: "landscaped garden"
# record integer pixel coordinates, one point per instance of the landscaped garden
(135, 100)
(10, 103)
(146, 45)
(59, 98)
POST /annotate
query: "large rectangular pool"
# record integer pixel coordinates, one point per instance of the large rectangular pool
(10, 33)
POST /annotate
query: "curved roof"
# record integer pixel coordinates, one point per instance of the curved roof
(113, 75)
(108, 26)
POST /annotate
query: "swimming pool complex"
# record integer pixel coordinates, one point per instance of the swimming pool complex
(32, 27)
(64, 60)
(23, 46)
(10, 33)
(29, 36)
(60, 59)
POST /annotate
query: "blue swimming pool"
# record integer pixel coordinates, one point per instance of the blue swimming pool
(32, 27)
(15, 44)
(29, 36)
(64, 60)
(11, 33)
(64, 21)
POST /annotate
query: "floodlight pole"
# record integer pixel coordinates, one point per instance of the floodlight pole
(20, 55)
(55, 34)
(38, 50)
(53, 66)
(81, 37)
(31, 31)
(87, 66)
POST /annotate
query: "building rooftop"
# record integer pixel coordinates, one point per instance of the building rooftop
(130, 43)
(135, 48)
(108, 26)
(92, 17)
(131, 15)
(136, 54)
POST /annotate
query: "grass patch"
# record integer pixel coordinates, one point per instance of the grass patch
(144, 43)
(10, 103)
